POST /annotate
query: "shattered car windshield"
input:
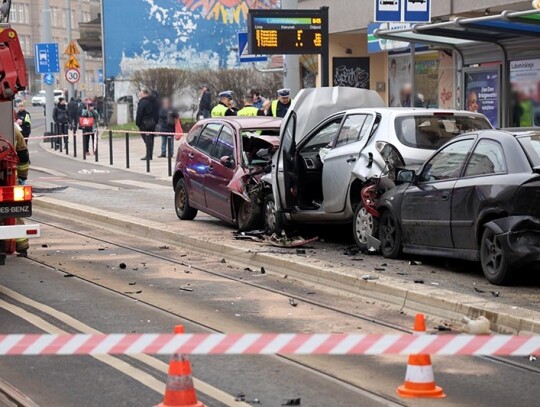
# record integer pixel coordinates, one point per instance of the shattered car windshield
(433, 131)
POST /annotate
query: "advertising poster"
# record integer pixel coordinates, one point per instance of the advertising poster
(141, 34)
(482, 92)
(446, 91)
(351, 72)
(525, 83)
(426, 78)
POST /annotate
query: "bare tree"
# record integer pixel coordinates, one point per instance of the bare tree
(166, 81)
(240, 81)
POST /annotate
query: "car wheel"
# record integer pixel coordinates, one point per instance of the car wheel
(494, 260)
(364, 225)
(390, 235)
(273, 219)
(247, 218)
(181, 202)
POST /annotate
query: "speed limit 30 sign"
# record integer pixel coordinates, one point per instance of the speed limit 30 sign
(73, 75)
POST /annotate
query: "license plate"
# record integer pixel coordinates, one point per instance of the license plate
(15, 209)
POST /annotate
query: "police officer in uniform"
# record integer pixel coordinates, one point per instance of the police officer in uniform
(249, 109)
(225, 105)
(281, 105)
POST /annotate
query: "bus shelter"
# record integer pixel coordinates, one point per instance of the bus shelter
(489, 43)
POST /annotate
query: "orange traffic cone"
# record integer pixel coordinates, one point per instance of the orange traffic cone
(180, 390)
(419, 379)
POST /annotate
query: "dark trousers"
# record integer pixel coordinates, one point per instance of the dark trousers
(87, 134)
(62, 128)
(149, 141)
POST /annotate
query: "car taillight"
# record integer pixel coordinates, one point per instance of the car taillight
(15, 194)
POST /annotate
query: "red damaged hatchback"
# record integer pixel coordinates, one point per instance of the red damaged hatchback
(219, 166)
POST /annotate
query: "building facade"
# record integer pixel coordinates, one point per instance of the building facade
(351, 61)
(26, 18)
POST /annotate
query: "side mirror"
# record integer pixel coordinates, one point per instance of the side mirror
(226, 161)
(406, 176)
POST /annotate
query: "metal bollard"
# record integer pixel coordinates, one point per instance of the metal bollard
(110, 148)
(127, 150)
(169, 154)
(50, 134)
(75, 145)
(147, 164)
(97, 146)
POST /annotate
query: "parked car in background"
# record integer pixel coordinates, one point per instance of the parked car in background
(219, 165)
(39, 99)
(477, 198)
(330, 149)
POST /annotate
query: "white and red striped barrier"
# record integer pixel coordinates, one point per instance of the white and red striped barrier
(268, 344)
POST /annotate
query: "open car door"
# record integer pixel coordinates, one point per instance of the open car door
(309, 108)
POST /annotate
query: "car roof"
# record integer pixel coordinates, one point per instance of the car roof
(399, 111)
(247, 122)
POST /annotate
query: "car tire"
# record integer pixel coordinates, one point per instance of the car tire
(389, 235)
(493, 259)
(181, 202)
(273, 219)
(247, 219)
(364, 224)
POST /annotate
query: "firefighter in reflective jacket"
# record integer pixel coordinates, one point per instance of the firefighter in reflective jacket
(281, 105)
(22, 174)
(248, 109)
(225, 105)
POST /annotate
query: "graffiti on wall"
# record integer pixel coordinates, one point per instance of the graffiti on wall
(351, 72)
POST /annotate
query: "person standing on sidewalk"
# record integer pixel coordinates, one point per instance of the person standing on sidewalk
(166, 124)
(205, 104)
(146, 121)
(73, 115)
(61, 119)
(88, 122)
(24, 121)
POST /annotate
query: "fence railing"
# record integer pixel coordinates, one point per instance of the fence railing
(60, 141)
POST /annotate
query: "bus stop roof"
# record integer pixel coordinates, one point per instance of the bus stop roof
(514, 33)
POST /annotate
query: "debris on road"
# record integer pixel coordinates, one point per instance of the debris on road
(380, 269)
(293, 242)
(292, 402)
(263, 271)
(532, 358)
(293, 302)
(373, 244)
(434, 283)
(493, 293)
(351, 251)
(44, 245)
(369, 277)
(240, 397)
(188, 289)
(101, 249)
(223, 261)
(418, 281)
(300, 251)
(443, 328)
(133, 292)
(122, 266)
(69, 275)
(164, 247)
(479, 326)
(132, 283)
(415, 263)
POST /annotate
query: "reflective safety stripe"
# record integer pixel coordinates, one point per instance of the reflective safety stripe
(274, 108)
(419, 374)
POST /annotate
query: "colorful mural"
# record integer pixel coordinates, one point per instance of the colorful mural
(173, 33)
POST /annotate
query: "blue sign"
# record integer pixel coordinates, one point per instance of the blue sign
(243, 54)
(100, 75)
(48, 78)
(388, 10)
(47, 58)
(417, 11)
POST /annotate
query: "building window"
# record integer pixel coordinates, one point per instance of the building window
(27, 14)
(54, 13)
(13, 15)
(20, 9)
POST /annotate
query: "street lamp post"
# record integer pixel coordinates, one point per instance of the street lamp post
(46, 35)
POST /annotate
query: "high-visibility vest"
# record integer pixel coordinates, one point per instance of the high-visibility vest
(274, 107)
(219, 110)
(248, 111)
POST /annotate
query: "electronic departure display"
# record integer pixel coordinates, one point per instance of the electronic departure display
(287, 31)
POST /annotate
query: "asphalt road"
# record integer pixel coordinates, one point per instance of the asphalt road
(37, 298)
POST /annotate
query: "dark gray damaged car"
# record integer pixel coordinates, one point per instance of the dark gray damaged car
(477, 198)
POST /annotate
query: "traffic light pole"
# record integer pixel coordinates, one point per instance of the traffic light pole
(46, 35)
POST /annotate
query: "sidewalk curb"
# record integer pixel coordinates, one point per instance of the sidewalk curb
(440, 306)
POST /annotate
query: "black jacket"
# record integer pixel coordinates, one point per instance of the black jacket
(206, 101)
(166, 120)
(73, 110)
(60, 114)
(146, 114)
(26, 126)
